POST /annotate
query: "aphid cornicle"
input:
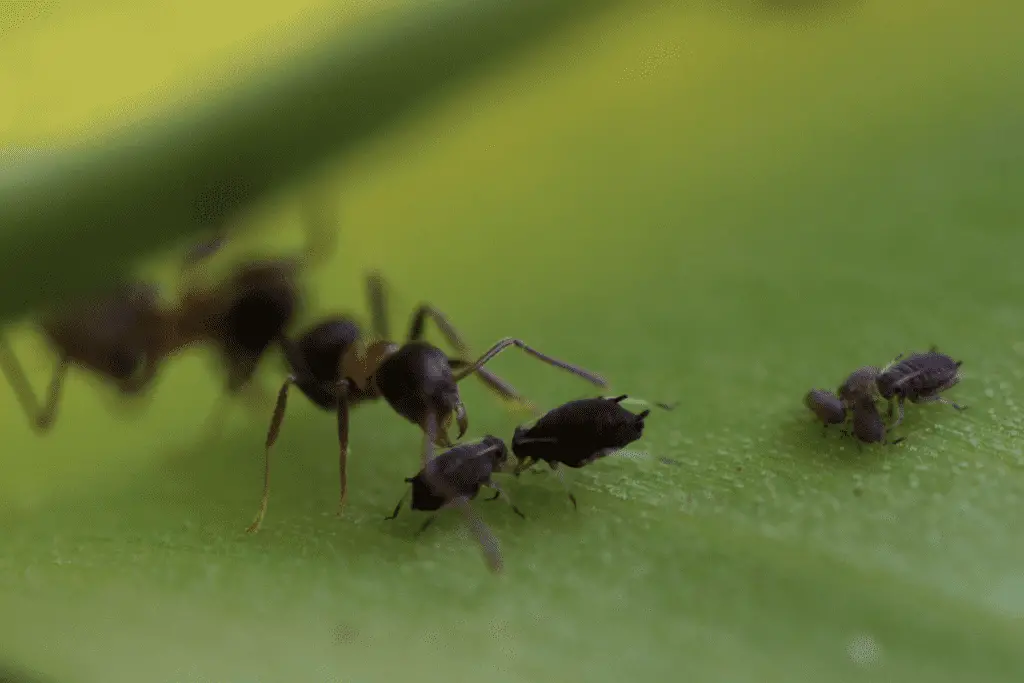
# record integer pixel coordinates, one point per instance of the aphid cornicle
(576, 434)
(826, 406)
(919, 378)
(418, 380)
(454, 478)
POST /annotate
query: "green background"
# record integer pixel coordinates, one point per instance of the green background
(699, 204)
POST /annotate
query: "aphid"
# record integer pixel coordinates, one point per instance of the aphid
(453, 479)
(826, 406)
(417, 379)
(919, 378)
(859, 385)
(576, 434)
(867, 425)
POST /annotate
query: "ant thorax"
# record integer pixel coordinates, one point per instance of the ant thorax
(361, 364)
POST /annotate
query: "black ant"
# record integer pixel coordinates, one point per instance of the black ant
(339, 369)
(577, 433)
(454, 478)
(126, 334)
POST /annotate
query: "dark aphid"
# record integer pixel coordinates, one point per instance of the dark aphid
(867, 425)
(859, 385)
(453, 479)
(919, 378)
(576, 434)
(826, 406)
(417, 379)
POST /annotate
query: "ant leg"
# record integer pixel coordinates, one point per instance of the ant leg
(509, 341)
(560, 475)
(272, 432)
(19, 383)
(198, 253)
(493, 382)
(320, 223)
(46, 417)
(499, 386)
(488, 542)
(496, 496)
(376, 292)
(500, 492)
(343, 410)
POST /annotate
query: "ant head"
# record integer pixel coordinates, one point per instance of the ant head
(499, 451)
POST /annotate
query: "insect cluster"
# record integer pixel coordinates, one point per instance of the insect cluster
(129, 333)
(919, 377)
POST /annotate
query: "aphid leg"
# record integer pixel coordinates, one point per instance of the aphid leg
(40, 417)
(500, 493)
(272, 432)
(343, 410)
(560, 475)
(509, 341)
(896, 441)
(400, 501)
(940, 399)
(488, 542)
(899, 412)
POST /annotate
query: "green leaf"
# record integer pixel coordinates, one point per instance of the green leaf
(701, 209)
(148, 186)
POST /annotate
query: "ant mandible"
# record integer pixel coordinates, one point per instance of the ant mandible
(337, 369)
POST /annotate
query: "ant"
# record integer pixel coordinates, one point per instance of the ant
(336, 368)
(454, 478)
(125, 335)
(577, 433)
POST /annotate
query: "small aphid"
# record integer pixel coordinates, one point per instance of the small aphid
(576, 434)
(867, 424)
(453, 479)
(859, 385)
(826, 406)
(919, 378)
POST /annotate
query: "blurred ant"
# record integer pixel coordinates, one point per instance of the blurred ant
(335, 367)
(124, 336)
(578, 433)
(453, 479)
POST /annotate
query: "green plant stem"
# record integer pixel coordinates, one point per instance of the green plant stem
(75, 219)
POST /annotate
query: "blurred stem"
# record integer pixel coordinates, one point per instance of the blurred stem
(75, 219)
